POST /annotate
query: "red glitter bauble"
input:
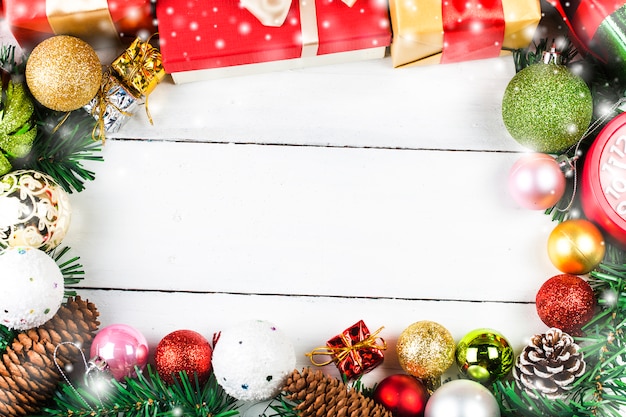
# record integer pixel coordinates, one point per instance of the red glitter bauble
(566, 302)
(183, 350)
(403, 395)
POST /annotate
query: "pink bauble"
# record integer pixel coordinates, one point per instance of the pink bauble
(536, 181)
(122, 347)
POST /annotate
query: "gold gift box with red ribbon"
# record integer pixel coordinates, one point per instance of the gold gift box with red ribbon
(355, 351)
(101, 23)
(447, 31)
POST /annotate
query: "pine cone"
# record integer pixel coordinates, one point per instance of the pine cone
(28, 374)
(320, 395)
(549, 364)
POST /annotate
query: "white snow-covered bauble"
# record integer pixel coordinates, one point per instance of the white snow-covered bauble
(32, 288)
(252, 360)
(34, 210)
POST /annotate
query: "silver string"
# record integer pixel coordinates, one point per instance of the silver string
(88, 368)
(572, 161)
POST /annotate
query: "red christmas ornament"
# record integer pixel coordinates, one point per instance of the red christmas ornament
(603, 184)
(566, 302)
(183, 350)
(403, 395)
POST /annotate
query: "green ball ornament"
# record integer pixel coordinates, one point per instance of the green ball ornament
(484, 355)
(546, 108)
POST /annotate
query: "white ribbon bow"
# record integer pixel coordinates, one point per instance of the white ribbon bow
(274, 12)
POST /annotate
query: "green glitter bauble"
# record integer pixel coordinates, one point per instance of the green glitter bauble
(546, 108)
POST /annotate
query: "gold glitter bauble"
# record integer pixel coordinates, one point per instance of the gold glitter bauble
(63, 73)
(426, 349)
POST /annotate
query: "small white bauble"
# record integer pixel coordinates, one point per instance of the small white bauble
(252, 360)
(32, 288)
(462, 398)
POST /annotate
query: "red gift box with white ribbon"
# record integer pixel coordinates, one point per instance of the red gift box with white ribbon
(239, 37)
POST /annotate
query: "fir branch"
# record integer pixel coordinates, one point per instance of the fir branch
(145, 395)
(9, 62)
(63, 143)
(71, 270)
(600, 391)
(6, 337)
(64, 140)
(524, 57)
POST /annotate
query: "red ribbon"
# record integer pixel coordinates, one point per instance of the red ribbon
(586, 16)
(472, 29)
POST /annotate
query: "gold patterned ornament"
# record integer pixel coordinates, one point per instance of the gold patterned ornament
(34, 210)
(426, 350)
(63, 73)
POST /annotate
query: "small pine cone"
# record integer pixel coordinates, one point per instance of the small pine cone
(549, 364)
(28, 373)
(319, 395)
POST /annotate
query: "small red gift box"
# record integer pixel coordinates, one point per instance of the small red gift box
(201, 40)
(101, 23)
(355, 351)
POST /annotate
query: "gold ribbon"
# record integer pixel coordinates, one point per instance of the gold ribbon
(102, 101)
(86, 19)
(273, 13)
(340, 353)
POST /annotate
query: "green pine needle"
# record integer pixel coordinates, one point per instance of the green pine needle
(145, 395)
(6, 337)
(10, 62)
(71, 270)
(523, 57)
(63, 143)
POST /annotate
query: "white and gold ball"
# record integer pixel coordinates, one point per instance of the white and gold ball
(63, 73)
(34, 210)
(252, 360)
(32, 288)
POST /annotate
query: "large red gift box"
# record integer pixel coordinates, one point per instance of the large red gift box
(100, 22)
(200, 39)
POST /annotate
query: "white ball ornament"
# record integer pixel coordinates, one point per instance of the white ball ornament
(32, 288)
(34, 210)
(252, 360)
(462, 398)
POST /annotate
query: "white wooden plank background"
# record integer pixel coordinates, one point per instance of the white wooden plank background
(216, 214)
(314, 198)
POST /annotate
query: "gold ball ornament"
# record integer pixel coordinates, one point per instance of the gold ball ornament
(426, 350)
(576, 246)
(63, 73)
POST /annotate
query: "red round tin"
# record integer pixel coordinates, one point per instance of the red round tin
(603, 181)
